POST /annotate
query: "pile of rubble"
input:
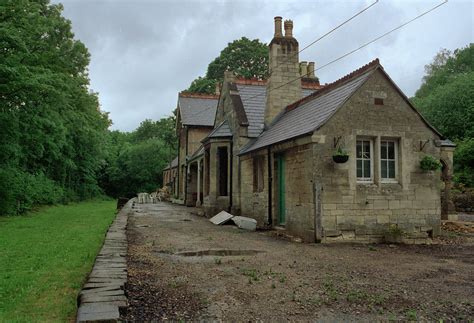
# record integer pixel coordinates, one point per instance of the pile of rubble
(458, 226)
(241, 221)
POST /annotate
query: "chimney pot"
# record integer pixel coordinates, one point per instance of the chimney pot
(288, 28)
(311, 70)
(303, 69)
(278, 27)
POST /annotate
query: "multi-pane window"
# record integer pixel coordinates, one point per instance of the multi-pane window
(364, 160)
(388, 160)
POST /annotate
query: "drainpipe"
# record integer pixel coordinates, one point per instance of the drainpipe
(231, 173)
(179, 165)
(270, 187)
(186, 168)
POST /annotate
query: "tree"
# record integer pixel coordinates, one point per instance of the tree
(446, 99)
(203, 85)
(246, 58)
(135, 160)
(52, 128)
(446, 96)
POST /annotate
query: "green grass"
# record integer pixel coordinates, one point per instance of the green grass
(45, 257)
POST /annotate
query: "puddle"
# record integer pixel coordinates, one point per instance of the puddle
(217, 252)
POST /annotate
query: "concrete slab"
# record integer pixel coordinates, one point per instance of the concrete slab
(97, 312)
(221, 218)
(102, 298)
(245, 223)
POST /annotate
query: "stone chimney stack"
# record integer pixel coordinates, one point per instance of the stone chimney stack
(284, 68)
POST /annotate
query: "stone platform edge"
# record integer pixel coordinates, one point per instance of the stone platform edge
(103, 293)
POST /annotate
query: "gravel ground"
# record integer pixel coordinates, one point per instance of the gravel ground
(182, 267)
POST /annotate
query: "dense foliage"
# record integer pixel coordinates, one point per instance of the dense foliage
(54, 142)
(135, 160)
(51, 128)
(245, 57)
(446, 99)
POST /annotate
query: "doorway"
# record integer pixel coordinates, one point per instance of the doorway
(281, 205)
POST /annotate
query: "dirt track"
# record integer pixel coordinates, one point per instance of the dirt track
(275, 280)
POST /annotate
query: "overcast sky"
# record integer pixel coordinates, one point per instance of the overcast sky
(144, 52)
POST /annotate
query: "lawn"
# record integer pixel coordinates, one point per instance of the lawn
(45, 257)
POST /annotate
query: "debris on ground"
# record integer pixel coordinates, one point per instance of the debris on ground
(221, 218)
(458, 226)
(245, 223)
(193, 271)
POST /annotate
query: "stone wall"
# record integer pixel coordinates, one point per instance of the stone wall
(253, 204)
(195, 135)
(190, 141)
(374, 211)
(299, 200)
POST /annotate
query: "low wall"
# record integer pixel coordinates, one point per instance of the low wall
(103, 293)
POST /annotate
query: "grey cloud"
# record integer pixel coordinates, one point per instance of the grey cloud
(144, 52)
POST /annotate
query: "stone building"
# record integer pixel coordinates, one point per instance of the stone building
(270, 153)
(170, 175)
(194, 121)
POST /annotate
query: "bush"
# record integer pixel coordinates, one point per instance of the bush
(463, 201)
(19, 191)
(464, 162)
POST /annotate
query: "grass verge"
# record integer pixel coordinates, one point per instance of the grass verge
(45, 257)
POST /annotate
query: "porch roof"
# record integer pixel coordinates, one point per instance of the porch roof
(222, 130)
(173, 164)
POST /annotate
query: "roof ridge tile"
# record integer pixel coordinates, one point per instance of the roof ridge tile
(196, 95)
(326, 87)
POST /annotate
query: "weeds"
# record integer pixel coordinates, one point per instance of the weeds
(411, 315)
(251, 273)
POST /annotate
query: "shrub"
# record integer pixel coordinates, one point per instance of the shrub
(464, 162)
(20, 191)
(340, 152)
(463, 201)
(430, 163)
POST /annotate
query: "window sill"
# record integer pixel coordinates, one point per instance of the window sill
(364, 182)
(389, 182)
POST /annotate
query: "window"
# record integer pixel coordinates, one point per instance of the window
(364, 160)
(258, 169)
(388, 160)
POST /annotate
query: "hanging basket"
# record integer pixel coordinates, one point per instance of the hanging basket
(340, 159)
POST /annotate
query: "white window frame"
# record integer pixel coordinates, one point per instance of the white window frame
(395, 147)
(366, 180)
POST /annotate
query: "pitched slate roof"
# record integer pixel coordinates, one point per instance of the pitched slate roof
(253, 97)
(310, 113)
(223, 130)
(174, 163)
(197, 109)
